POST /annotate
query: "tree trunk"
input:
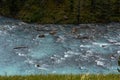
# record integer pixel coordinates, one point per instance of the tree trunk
(93, 6)
(78, 15)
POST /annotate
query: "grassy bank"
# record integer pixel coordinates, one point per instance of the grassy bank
(63, 77)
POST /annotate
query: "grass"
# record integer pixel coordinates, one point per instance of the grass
(63, 77)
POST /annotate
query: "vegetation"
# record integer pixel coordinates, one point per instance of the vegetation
(62, 11)
(119, 61)
(118, 64)
(63, 77)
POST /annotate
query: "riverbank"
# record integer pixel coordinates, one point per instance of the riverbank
(63, 77)
(62, 11)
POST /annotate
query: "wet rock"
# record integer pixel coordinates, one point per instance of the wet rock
(41, 28)
(52, 32)
(77, 36)
(82, 67)
(22, 23)
(119, 61)
(113, 57)
(37, 28)
(117, 43)
(118, 70)
(112, 41)
(118, 64)
(41, 36)
(52, 58)
(104, 46)
(20, 47)
(37, 65)
(82, 37)
(61, 39)
(74, 30)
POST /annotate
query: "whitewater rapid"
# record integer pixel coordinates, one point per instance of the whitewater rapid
(30, 48)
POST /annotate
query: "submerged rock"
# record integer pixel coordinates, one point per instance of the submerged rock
(118, 70)
(41, 36)
(74, 30)
(82, 37)
(52, 32)
(37, 65)
(20, 47)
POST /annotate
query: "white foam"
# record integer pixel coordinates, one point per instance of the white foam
(70, 54)
(82, 67)
(58, 61)
(3, 32)
(42, 68)
(101, 44)
(118, 52)
(88, 46)
(61, 39)
(22, 23)
(29, 61)
(89, 51)
(99, 63)
(118, 43)
(66, 56)
(20, 54)
(62, 58)
(112, 41)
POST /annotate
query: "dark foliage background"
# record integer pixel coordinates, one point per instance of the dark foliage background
(62, 11)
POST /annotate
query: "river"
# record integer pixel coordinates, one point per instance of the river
(58, 49)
